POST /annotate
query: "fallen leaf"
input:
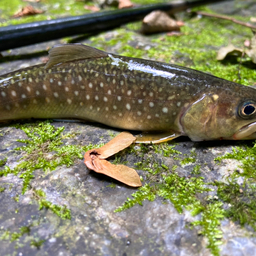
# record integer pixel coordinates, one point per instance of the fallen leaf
(125, 4)
(94, 159)
(228, 50)
(92, 8)
(27, 10)
(120, 142)
(158, 21)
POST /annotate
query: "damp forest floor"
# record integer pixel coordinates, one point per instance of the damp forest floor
(197, 198)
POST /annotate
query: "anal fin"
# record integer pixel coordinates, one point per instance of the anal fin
(156, 137)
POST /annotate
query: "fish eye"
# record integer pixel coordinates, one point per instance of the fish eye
(247, 109)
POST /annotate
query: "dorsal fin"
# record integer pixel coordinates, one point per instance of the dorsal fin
(62, 53)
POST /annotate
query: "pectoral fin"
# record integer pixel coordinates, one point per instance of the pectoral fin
(156, 137)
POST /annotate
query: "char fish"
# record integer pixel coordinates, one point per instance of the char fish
(166, 100)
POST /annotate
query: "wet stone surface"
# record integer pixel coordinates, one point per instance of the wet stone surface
(154, 228)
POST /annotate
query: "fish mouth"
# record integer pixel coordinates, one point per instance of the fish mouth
(247, 132)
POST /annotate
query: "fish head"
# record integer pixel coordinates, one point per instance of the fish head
(228, 115)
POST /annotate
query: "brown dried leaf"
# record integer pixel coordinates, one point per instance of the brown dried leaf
(120, 142)
(94, 160)
(228, 50)
(27, 10)
(125, 4)
(158, 21)
(92, 8)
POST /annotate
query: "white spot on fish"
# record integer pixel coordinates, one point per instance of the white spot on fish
(40, 72)
(80, 78)
(156, 115)
(171, 97)
(151, 94)
(148, 117)
(215, 97)
(109, 92)
(47, 99)
(106, 108)
(37, 80)
(96, 97)
(51, 80)
(98, 109)
(19, 84)
(90, 85)
(139, 113)
(120, 114)
(56, 95)
(87, 97)
(139, 101)
(59, 83)
(30, 79)
(82, 87)
(37, 93)
(151, 104)
(178, 104)
(23, 96)
(105, 99)
(28, 89)
(12, 81)
(119, 98)
(85, 70)
(44, 87)
(129, 92)
(13, 93)
(114, 81)
(76, 93)
(69, 101)
(3, 94)
(101, 84)
(115, 107)
(72, 81)
(165, 110)
(128, 106)
(91, 107)
(121, 82)
(66, 89)
(174, 113)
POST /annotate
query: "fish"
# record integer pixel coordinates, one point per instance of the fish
(161, 100)
(15, 36)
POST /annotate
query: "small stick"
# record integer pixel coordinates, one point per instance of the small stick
(246, 24)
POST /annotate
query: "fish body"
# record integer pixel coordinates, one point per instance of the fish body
(81, 82)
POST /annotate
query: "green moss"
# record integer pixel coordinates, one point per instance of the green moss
(2, 189)
(182, 192)
(7, 235)
(44, 150)
(37, 243)
(212, 215)
(196, 170)
(3, 162)
(166, 149)
(61, 211)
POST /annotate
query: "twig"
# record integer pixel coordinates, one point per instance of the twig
(246, 24)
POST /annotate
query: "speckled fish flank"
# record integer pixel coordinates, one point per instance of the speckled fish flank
(82, 82)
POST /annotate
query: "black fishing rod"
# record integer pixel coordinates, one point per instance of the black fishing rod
(15, 36)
